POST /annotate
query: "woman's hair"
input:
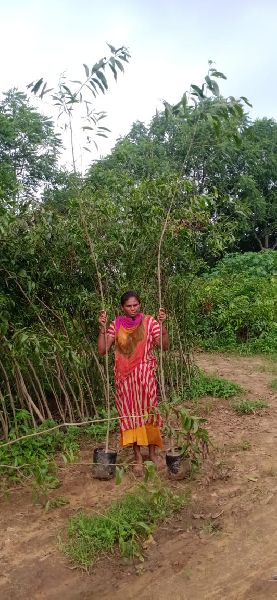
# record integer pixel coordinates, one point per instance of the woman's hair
(130, 294)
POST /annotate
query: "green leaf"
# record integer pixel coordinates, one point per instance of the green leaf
(214, 88)
(99, 84)
(112, 48)
(238, 140)
(246, 101)
(150, 470)
(120, 66)
(37, 85)
(119, 472)
(86, 70)
(198, 91)
(218, 74)
(114, 71)
(102, 78)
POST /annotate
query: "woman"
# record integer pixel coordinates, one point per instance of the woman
(135, 336)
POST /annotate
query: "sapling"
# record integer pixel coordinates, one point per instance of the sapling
(188, 438)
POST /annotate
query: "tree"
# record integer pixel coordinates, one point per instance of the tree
(69, 95)
(257, 184)
(29, 149)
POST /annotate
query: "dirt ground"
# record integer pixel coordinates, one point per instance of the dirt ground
(222, 546)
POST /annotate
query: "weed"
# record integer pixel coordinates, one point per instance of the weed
(248, 407)
(57, 502)
(124, 525)
(45, 479)
(211, 527)
(246, 445)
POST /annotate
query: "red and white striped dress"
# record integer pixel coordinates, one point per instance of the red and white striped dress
(136, 393)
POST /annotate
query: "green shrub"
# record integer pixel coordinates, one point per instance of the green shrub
(235, 305)
(208, 385)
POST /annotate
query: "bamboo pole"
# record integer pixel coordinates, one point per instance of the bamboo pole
(94, 258)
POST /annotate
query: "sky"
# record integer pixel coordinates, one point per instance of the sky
(170, 43)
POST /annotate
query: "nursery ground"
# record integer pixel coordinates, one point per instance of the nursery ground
(222, 546)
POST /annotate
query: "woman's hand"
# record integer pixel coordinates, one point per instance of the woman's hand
(102, 320)
(161, 316)
(104, 341)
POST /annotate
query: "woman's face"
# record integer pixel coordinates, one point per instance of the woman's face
(131, 307)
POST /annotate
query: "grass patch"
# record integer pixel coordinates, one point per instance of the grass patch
(248, 407)
(124, 525)
(208, 385)
(273, 384)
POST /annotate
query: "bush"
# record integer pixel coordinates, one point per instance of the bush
(235, 304)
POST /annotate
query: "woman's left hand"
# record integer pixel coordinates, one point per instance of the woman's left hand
(161, 315)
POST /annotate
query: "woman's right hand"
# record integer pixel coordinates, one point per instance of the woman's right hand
(102, 320)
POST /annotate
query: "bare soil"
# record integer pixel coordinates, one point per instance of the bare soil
(222, 546)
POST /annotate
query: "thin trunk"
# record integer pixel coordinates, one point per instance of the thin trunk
(52, 388)
(62, 387)
(164, 228)
(94, 258)
(86, 379)
(26, 395)
(10, 395)
(74, 397)
(42, 395)
(259, 241)
(72, 145)
(4, 417)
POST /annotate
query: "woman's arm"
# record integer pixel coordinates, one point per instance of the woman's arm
(104, 341)
(164, 336)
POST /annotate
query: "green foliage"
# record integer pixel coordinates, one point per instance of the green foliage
(236, 304)
(248, 407)
(124, 525)
(29, 149)
(49, 296)
(186, 433)
(35, 455)
(208, 385)
(97, 431)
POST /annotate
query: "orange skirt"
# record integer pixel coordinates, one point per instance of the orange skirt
(142, 436)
